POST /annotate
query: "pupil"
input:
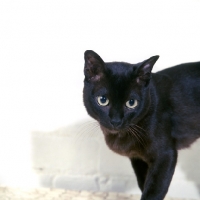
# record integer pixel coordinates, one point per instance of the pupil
(131, 102)
(103, 99)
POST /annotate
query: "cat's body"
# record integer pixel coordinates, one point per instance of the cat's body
(145, 116)
(181, 86)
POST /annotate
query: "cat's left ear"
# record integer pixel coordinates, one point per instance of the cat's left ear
(144, 70)
(94, 66)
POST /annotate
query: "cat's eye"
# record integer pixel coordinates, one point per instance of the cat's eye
(132, 103)
(102, 100)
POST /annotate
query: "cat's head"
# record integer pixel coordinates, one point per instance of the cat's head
(116, 94)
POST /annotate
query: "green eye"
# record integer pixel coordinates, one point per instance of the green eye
(102, 100)
(132, 103)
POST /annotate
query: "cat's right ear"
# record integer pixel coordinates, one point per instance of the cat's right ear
(94, 66)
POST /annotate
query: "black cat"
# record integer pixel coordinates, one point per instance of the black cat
(145, 116)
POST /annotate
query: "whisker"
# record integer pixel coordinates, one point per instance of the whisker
(139, 128)
(138, 131)
(140, 138)
(129, 134)
(92, 130)
(141, 131)
(134, 133)
(86, 130)
(86, 125)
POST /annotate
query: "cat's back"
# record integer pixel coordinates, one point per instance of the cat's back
(181, 86)
(182, 82)
(182, 71)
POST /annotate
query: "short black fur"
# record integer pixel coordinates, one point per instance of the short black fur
(145, 116)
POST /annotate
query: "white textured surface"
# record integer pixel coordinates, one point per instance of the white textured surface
(59, 194)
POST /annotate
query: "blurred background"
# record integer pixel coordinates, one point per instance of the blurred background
(46, 136)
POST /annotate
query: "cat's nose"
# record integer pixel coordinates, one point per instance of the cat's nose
(116, 122)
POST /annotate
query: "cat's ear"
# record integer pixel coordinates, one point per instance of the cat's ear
(94, 66)
(144, 70)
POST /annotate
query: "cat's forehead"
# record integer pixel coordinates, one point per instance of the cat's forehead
(119, 79)
(120, 73)
(119, 68)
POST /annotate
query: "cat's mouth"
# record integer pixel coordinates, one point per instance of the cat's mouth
(107, 131)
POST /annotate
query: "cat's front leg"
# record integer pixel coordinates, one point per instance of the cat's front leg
(159, 175)
(140, 167)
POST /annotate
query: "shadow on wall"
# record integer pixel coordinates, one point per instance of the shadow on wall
(189, 161)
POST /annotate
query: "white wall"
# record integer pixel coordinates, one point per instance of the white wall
(41, 60)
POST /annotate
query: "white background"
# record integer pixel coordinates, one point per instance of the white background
(41, 59)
